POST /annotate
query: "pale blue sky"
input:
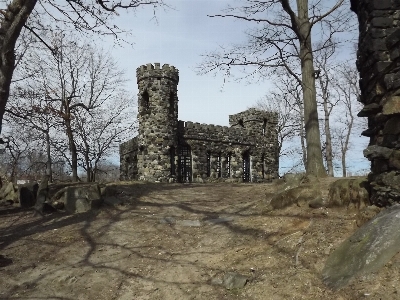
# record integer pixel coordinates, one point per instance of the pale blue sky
(179, 38)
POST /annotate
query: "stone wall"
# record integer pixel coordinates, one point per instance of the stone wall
(257, 137)
(128, 160)
(378, 62)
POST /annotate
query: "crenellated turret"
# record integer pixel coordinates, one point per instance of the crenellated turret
(158, 120)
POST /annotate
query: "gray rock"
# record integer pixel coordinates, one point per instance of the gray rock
(349, 192)
(375, 151)
(81, 198)
(168, 220)
(217, 281)
(233, 280)
(367, 250)
(7, 191)
(298, 195)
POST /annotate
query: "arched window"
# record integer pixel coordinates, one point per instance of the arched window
(208, 163)
(171, 109)
(263, 165)
(264, 128)
(145, 101)
(219, 165)
(228, 164)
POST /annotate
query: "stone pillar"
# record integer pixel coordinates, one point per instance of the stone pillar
(378, 61)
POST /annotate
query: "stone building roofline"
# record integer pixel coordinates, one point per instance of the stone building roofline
(253, 114)
(156, 71)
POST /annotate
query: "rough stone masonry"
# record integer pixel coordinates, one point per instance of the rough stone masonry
(169, 150)
(378, 61)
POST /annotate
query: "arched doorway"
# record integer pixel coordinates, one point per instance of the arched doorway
(185, 164)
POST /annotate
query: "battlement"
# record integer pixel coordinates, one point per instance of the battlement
(252, 115)
(156, 71)
(192, 130)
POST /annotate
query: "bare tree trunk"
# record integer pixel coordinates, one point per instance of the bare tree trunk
(344, 172)
(13, 19)
(303, 142)
(345, 147)
(314, 162)
(49, 167)
(328, 137)
(72, 149)
(328, 142)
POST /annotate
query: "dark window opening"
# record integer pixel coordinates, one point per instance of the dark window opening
(264, 127)
(240, 122)
(185, 164)
(246, 166)
(172, 160)
(208, 163)
(228, 165)
(145, 101)
(219, 166)
(171, 103)
(263, 165)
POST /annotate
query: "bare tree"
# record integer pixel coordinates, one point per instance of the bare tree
(86, 15)
(324, 62)
(285, 99)
(100, 131)
(79, 91)
(348, 90)
(282, 39)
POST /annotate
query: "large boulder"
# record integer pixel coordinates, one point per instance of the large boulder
(79, 198)
(366, 251)
(299, 195)
(349, 193)
(290, 180)
(8, 193)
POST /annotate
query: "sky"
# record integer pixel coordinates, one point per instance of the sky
(180, 37)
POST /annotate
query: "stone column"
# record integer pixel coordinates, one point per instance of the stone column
(378, 61)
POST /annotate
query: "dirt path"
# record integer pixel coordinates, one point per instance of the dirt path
(173, 242)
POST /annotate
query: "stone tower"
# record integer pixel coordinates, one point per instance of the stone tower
(261, 127)
(158, 122)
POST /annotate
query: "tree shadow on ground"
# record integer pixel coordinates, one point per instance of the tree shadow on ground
(93, 240)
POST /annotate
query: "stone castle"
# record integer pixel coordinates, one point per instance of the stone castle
(169, 150)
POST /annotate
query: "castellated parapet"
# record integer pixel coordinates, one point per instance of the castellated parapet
(168, 150)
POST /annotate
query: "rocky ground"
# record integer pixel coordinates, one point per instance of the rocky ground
(174, 241)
